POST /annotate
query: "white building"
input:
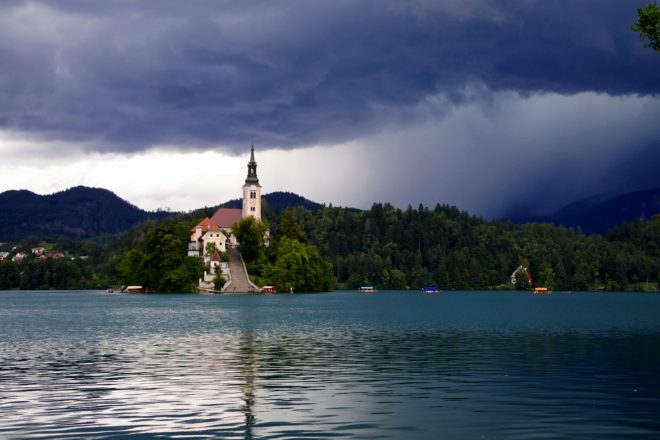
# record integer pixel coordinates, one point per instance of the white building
(217, 229)
(19, 257)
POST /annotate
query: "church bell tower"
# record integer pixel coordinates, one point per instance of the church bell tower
(252, 190)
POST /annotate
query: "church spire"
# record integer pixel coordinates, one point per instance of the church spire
(252, 178)
(252, 190)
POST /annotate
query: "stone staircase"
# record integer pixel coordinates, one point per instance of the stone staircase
(239, 280)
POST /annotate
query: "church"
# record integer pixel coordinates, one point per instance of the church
(217, 229)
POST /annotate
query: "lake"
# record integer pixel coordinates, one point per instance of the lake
(404, 365)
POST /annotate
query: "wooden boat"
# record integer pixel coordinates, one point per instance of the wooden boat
(366, 289)
(541, 291)
(135, 289)
(431, 289)
(268, 289)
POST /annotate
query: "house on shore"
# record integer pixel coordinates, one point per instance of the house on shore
(39, 250)
(19, 257)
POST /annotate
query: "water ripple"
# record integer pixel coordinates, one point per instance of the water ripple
(313, 367)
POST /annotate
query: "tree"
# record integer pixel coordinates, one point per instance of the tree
(250, 235)
(219, 280)
(580, 280)
(289, 227)
(8, 275)
(299, 266)
(648, 26)
(561, 278)
(548, 278)
(211, 248)
(159, 263)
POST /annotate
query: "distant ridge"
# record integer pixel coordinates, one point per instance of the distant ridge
(83, 212)
(279, 201)
(597, 214)
(79, 212)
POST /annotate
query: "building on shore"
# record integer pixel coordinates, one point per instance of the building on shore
(217, 229)
(214, 235)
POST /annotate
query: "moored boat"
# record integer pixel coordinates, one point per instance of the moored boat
(431, 289)
(541, 291)
(268, 289)
(366, 289)
(135, 289)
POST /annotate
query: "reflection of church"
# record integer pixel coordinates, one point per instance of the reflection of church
(217, 229)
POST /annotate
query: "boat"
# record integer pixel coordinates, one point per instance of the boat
(135, 289)
(431, 289)
(541, 291)
(268, 289)
(366, 289)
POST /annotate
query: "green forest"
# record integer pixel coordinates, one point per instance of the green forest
(289, 262)
(333, 247)
(394, 248)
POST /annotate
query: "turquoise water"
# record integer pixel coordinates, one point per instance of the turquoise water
(341, 365)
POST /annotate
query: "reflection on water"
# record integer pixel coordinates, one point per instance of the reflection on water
(396, 366)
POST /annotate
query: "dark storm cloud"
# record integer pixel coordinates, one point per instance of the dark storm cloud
(126, 75)
(512, 155)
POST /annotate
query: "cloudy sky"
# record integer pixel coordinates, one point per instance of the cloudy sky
(492, 106)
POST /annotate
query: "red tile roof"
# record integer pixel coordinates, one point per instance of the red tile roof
(226, 217)
(214, 228)
(207, 225)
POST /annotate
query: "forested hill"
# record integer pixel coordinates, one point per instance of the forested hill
(383, 245)
(79, 212)
(393, 248)
(83, 212)
(278, 201)
(596, 215)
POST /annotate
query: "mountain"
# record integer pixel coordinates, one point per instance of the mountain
(79, 212)
(279, 201)
(595, 215)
